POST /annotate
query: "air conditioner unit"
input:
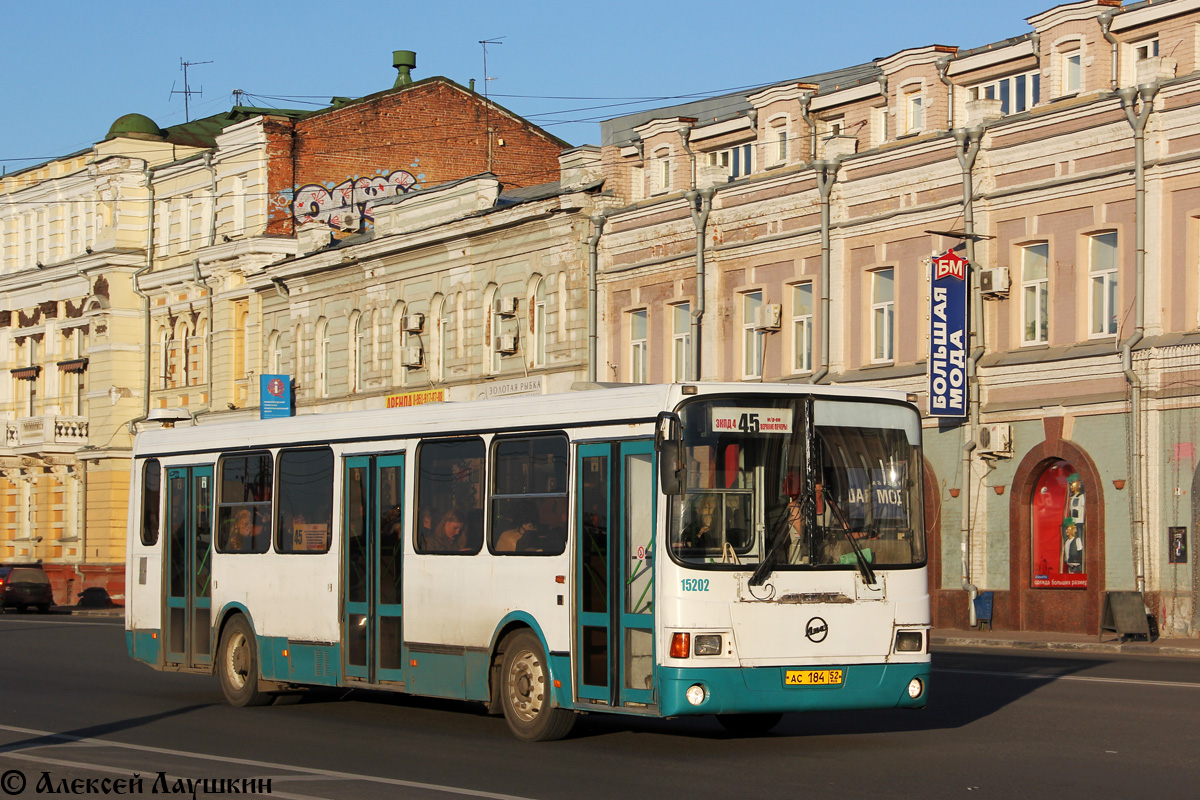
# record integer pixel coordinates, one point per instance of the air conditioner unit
(508, 307)
(412, 356)
(414, 323)
(349, 219)
(506, 343)
(994, 282)
(767, 317)
(995, 441)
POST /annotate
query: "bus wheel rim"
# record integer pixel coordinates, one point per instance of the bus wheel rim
(526, 686)
(238, 661)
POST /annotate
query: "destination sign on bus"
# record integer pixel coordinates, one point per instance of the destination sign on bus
(752, 420)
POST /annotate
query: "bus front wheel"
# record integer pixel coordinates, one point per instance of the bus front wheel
(237, 664)
(525, 692)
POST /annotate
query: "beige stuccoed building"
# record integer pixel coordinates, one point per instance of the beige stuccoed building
(786, 234)
(160, 273)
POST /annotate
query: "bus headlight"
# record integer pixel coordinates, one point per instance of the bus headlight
(909, 641)
(696, 694)
(707, 644)
(916, 688)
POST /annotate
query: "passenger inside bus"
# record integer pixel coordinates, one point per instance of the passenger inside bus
(702, 528)
(452, 535)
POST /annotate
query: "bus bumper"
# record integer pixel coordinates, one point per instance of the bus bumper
(762, 689)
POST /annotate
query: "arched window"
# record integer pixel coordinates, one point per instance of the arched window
(361, 333)
(200, 374)
(275, 353)
(491, 330)
(164, 356)
(448, 333)
(182, 354)
(436, 330)
(537, 322)
(321, 342)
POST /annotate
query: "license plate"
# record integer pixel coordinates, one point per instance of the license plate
(812, 677)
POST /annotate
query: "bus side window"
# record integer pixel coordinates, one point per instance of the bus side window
(305, 505)
(244, 505)
(151, 501)
(529, 496)
(450, 497)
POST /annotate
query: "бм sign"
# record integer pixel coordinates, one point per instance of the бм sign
(948, 336)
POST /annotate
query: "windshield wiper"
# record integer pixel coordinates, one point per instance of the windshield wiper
(864, 566)
(767, 566)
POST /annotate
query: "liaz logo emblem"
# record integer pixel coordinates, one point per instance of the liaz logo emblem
(816, 630)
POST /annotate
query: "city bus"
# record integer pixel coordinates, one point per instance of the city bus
(736, 550)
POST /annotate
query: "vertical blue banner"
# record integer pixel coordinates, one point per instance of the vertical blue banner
(948, 336)
(274, 396)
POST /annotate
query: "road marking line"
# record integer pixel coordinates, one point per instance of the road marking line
(1052, 677)
(12, 748)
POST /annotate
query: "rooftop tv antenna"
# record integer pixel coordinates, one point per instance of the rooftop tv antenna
(487, 106)
(187, 90)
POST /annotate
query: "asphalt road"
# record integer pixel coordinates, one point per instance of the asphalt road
(73, 706)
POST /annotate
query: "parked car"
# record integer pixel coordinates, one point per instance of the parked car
(25, 586)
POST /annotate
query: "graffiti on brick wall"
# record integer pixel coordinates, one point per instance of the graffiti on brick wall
(348, 204)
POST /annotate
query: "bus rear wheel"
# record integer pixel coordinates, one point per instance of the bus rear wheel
(237, 665)
(749, 724)
(525, 692)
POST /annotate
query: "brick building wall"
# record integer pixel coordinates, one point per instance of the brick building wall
(428, 133)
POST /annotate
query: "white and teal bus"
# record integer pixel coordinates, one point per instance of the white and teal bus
(663, 550)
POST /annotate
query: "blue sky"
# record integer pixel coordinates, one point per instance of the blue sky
(70, 68)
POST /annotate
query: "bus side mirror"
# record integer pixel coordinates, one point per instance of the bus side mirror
(670, 472)
(667, 441)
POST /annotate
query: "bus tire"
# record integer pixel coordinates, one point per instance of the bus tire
(749, 724)
(237, 665)
(525, 692)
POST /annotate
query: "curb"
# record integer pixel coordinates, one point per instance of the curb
(1109, 648)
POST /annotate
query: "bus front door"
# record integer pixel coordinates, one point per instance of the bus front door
(189, 567)
(614, 629)
(371, 619)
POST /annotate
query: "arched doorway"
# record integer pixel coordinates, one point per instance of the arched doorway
(1056, 524)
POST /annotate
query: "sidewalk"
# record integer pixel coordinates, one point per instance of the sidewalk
(1065, 642)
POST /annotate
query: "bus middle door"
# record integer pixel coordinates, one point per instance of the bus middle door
(372, 569)
(614, 629)
(189, 567)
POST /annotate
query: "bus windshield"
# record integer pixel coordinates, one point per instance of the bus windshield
(802, 483)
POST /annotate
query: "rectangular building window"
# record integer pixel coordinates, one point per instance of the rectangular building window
(1103, 280)
(883, 315)
(1035, 293)
(450, 497)
(681, 342)
(914, 112)
(752, 340)
(802, 327)
(305, 501)
(1072, 72)
(244, 504)
(1016, 93)
(529, 496)
(637, 346)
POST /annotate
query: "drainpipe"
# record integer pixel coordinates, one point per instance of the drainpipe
(683, 138)
(700, 212)
(943, 66)
(806, 115)
(593, 259)
(826, 177)
(149, 173)
(1137, 120)
(967, 148)
(1105, 21)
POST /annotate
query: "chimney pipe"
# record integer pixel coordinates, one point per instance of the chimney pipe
(403, 61)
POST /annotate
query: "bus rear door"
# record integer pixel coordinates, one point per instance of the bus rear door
(371, 617)
(189, 567)
(614, 602)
